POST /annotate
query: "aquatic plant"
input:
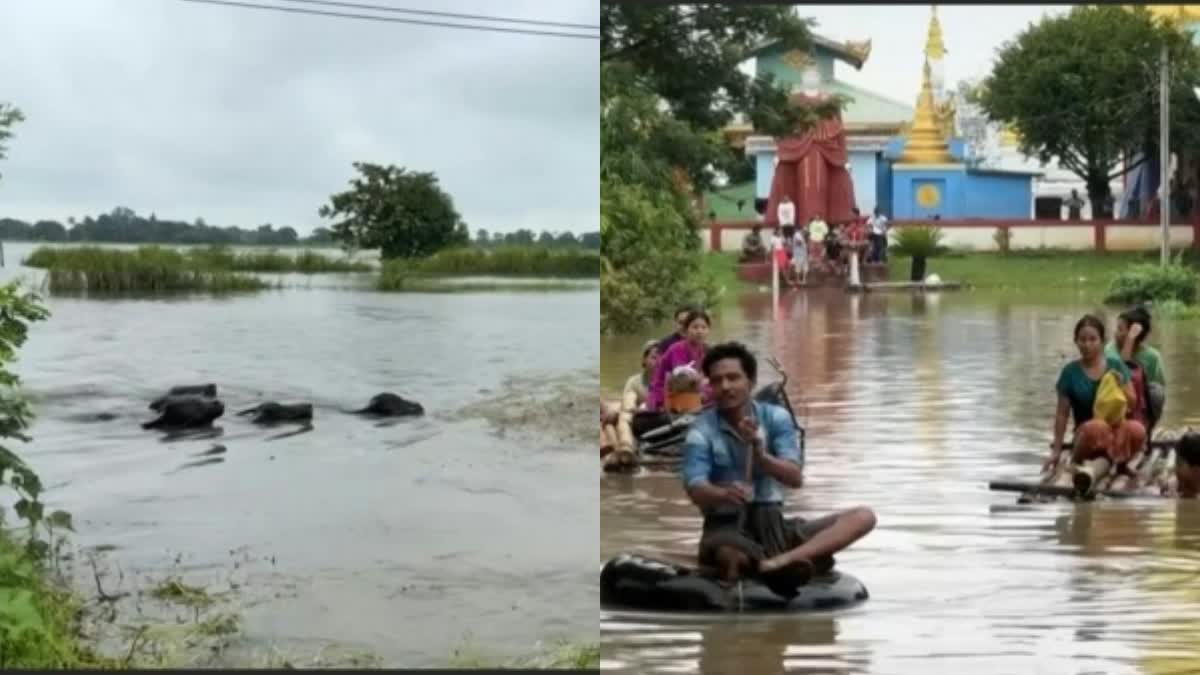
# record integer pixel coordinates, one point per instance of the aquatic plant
(205, 259)
(429, 275)
(1154, 283)
(508, 261)
(149, 269)
(305, 262)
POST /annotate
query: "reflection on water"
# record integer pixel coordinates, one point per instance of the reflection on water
(913, 403)
(403, 538)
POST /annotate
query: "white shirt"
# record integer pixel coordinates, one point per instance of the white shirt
(878, 224)
(787, 214)
(776, 242)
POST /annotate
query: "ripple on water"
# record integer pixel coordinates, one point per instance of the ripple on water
(911, 408)
(440, 498)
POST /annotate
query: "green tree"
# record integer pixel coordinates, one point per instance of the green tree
(1083, 88)
(689, 57)
(403, 213)
(649, 245)
(482, 238)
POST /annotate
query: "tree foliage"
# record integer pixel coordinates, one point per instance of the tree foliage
(688, 56)
(123, 225)
(1083, 87)
(404, 213)
(649, 244)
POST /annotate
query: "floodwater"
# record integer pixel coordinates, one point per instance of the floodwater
(912, 405)
(407, 540)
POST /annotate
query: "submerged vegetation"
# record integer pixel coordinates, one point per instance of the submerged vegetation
(216, 269)
(1154, 283)
(147, 270)
(432, 274)
(509, 261)
(208, 258)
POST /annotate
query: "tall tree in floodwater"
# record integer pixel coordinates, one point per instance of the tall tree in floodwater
(404, 213)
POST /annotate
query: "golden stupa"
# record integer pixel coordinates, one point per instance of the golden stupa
(926, 143)
(935, 51)
(935, 48)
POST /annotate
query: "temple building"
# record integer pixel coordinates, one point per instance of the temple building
(869, 121)
(910, 162)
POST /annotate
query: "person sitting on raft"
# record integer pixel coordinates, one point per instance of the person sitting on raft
(689, 351)
(722, 443)
(1077, 387)
(680, 320)
(616, 422)
(753, 248)
(1129, 345)
(633, 401)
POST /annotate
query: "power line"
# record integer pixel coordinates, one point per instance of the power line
(452, 15)
(385, 19)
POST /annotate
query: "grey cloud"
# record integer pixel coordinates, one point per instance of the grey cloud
(243, 117)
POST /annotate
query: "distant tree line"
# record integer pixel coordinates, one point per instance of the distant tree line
(125, 226)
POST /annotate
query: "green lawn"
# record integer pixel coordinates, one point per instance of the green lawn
(1025, 270)
(722, 267)
(1017, 271)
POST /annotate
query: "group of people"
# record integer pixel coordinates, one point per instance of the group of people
(1114, 392)
(817, 244)
(669, 384)
(739, 457)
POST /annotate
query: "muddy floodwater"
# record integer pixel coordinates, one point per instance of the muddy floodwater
(404, 541)
(912, 404)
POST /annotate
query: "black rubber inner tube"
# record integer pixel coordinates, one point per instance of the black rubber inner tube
(639, 583)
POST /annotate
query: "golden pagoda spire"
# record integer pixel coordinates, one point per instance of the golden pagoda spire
(935, 49)
(925, 143)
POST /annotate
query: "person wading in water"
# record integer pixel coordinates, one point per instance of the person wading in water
(744, 527)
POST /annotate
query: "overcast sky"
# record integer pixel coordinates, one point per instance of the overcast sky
(897, 33)
(245, 116)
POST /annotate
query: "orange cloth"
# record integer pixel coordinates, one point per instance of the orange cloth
(1096, 437)
(686, 402)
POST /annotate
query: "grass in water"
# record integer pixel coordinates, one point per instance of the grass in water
(305, 262)
(409, 277)
(149, 269)
(508, 261)
(209, 259)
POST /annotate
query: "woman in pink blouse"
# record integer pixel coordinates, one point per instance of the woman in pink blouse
(688, 351)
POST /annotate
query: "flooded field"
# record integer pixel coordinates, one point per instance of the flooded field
(912, 404)
(357, 542)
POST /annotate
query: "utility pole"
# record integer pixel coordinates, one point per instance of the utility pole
(1164, 157)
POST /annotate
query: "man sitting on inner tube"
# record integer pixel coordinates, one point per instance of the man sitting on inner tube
(744, 529)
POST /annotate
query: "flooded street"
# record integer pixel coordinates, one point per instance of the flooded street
(912, 405)
(404, 540)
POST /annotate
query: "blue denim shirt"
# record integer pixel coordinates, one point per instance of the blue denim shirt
(713, 453)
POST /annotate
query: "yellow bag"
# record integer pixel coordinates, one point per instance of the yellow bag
(1111, 404)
